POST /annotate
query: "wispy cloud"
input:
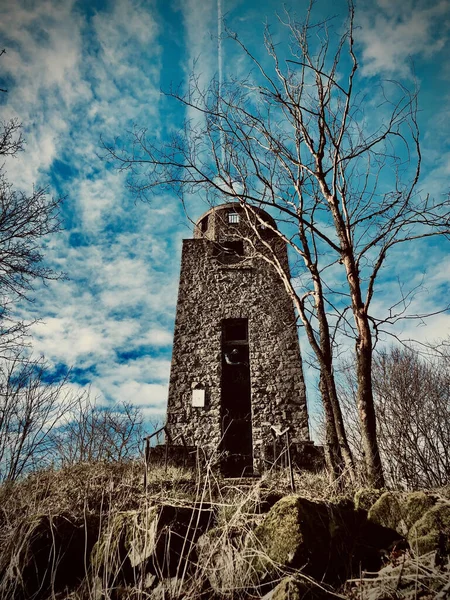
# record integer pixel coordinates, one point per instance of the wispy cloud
(72, 77)
(200, 22)
(395, 33)
(76, 72)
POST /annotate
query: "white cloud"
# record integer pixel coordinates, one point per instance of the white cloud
(200, 21)
(97, 197)
(113, 318)
(74, 78)
(155, 337)
(142, 382)
(43, 42)
(392, 33)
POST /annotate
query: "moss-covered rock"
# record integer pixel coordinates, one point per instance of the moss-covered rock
(404, 577)
(387, 512)
(127, 540)
(320, 538)
(156, 540)
(284, 532)
(48, 555)
(416, 505)
(400, 510)
(431, 533)
(224, 562)
(365, 498)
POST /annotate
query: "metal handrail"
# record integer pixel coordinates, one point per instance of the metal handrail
(169, 441)
(280, 434)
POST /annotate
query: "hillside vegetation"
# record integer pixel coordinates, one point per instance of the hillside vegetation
(92, 531)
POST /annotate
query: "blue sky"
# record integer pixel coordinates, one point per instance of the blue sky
(79, 71)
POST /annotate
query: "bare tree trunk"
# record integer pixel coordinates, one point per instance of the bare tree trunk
(333, 456)
(366, 407)
(365, 400)
(342, 456)
(344, 448)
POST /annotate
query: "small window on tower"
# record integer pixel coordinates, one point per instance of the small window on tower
(233, 247)
(204, 224)
(233, 218)
(229, 252)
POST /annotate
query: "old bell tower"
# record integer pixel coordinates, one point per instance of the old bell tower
(236, 367)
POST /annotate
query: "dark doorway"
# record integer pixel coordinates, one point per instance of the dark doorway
(236, 401)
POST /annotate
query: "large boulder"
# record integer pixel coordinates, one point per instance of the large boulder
(404, 577)
(400, 510)
(326, 541)
(431, 533)
(127, 540)
(365, 498)
(48, 555)
(156, 540)
(224, 561)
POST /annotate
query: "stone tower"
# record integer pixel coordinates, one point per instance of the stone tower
(236, 366)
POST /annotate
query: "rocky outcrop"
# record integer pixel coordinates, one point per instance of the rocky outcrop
(325, 540)
(47, 556)
(422, 569)
(366, 497)
(431, 532)
(287, 548)
(223, 560)
(158, 540)
(400, 510)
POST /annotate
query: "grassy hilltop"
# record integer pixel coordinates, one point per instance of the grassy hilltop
(92, 531)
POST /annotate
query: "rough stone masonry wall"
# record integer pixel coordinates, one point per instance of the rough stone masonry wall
(209, 292)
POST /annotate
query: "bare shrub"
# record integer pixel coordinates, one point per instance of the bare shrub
(93, 432)
(32, 404)
(25, 222)
(43, 422)
(412, 399)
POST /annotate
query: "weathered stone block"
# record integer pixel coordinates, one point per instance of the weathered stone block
(431, 533)
(400, 510)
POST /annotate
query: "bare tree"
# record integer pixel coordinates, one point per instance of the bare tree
(32, 404)
(292, 137)
(44, 422)
(11, 138)
(92, 432)
(412, 400)
(25, 221)
(32, 401)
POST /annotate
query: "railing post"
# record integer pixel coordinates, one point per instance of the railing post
(197, 461)
(185, 454)
(166, 457)
(291, 470)
(147, 449)
(274, 450)
(146, 460)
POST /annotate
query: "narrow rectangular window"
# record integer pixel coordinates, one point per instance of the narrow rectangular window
(233, 217)
(204, 224)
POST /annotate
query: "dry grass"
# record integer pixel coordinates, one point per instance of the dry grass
(108, 502)
(93, 496)
(405, 577)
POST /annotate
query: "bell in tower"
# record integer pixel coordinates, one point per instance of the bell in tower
(236, 374)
